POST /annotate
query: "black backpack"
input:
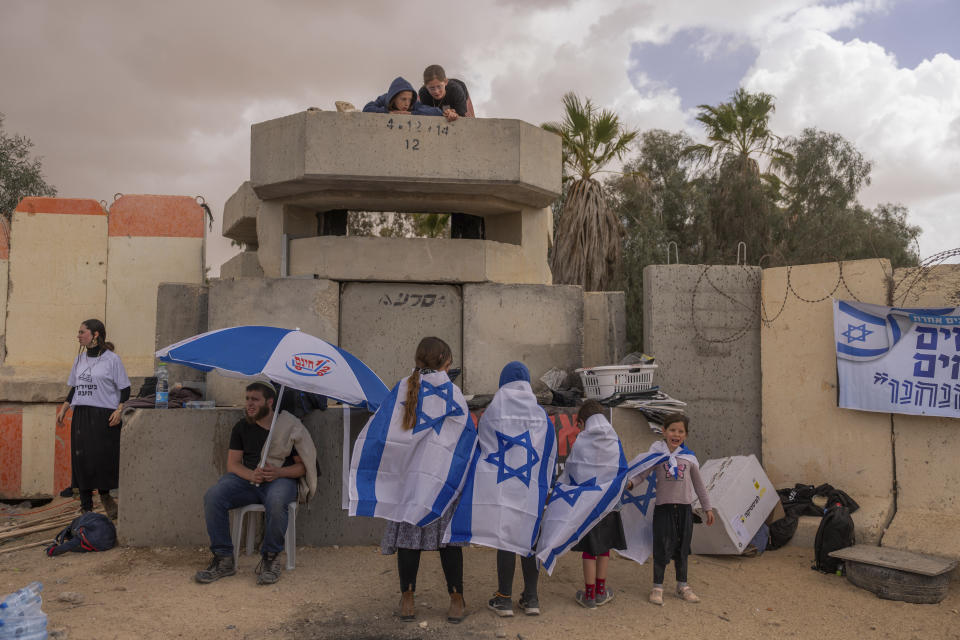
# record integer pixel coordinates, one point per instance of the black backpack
(835, 532)
(89, 532)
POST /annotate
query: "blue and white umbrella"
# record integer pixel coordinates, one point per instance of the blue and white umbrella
(286, 356)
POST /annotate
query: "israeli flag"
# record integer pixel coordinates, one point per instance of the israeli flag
(588, 489)
(512, 470)
(636, 511)
(865, 331)
(413, 475)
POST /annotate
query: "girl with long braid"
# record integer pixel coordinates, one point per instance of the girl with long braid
(408, 466)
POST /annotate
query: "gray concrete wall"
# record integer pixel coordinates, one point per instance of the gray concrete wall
(243, 265)
(604, 327)
(181, 313)
(240, 216)
(168, 460)
(540, 325)
(326, 159)
(708, 356)
(382, 323)
(311, 305)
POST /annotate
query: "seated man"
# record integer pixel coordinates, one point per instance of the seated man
(247, 483)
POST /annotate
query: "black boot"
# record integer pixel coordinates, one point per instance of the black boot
(220, 567)
(269, 569)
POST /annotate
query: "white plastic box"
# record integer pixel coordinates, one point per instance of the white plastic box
(742, 498)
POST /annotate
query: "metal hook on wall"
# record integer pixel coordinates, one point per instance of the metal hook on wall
(744, 245)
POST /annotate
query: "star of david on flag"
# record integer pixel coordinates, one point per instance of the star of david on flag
(576, 489)
(499, 457)
(450, 408)
(855, 333)
(641, 502)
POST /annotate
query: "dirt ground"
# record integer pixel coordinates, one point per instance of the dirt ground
(352, 593)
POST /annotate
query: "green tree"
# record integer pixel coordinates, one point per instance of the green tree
(20, 175)
(742, 201)
(659, 200)
(587, 242)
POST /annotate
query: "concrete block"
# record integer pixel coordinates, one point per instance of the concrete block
(275, 222)
(708, 357)
(33, 384)
(806, 437)
(542, 326)
(34, 451)
(243, 265)
(926, 447)
(188, 450)
(168, 459)
(869, 522)
(181, 313)
(240, 216)
(389, 259)
(604, 327)
(635, 433)
(152, 239)
(364, 161)
(382, 323)
(311, 305)
(58, 270)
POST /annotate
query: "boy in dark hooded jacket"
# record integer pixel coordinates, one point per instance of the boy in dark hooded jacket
(400, 98)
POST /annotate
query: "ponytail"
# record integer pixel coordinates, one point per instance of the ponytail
(97, 327)
(410, 408)
(432, 353)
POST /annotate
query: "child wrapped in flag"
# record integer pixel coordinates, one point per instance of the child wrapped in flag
(409, 465)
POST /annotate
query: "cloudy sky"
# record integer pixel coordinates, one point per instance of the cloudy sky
(158, 97)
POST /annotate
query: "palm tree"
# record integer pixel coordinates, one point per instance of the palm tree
(738, 134)
(587, 246)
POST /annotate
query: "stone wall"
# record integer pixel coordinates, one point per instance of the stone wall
(926, 448)
(806, 437)
(702, 326)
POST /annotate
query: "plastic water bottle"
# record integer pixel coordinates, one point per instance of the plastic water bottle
(34, 626)
(163, 387)
(21, 600)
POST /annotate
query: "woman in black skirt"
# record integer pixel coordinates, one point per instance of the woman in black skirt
(98, 388)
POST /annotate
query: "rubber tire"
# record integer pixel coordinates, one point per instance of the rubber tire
(893, 584)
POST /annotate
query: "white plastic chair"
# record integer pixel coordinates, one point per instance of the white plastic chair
(290, 539)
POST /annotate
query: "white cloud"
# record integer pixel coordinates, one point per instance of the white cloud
(159, 97)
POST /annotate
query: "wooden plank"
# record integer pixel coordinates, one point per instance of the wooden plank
(896, 559)
(27, 546)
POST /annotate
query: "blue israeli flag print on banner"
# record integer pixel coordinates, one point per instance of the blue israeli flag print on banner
(637, 504)
(511, 473)
(413, 475)
(898, 360)
(590, 486)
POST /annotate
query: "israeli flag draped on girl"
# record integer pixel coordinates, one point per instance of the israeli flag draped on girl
(413, 475)
(512, 470)
(637, 503)
(589, 487)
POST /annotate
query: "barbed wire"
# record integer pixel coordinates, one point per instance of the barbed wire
(757, 311)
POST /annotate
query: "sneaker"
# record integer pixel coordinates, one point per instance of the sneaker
(583, 601)
(531, 606)
(220, 567)
(269, 569)
(605, 597)
(501, 605)
(656, 596)
(687, 595)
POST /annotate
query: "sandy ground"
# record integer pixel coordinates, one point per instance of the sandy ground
(352, 593)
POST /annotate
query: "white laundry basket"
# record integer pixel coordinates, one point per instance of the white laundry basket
(603, 382)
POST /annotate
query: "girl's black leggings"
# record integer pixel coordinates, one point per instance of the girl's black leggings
(672, 532)
(451, 559)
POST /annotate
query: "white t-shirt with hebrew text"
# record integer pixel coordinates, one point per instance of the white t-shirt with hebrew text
(97, 381)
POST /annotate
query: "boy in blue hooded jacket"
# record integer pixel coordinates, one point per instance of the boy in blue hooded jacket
(400, 98)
